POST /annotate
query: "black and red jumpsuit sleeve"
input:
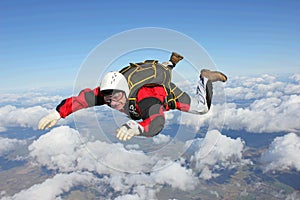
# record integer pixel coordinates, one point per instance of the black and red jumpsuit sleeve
(150, 105)
(86, 98)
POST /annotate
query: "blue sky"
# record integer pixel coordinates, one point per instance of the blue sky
(43, 43)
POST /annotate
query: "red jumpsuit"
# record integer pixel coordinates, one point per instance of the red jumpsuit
(150, 104)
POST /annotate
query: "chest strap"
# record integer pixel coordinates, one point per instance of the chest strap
(169, 101)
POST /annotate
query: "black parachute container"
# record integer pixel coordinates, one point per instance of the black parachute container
(149, 72)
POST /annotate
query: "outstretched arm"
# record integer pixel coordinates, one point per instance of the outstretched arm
(86, 98)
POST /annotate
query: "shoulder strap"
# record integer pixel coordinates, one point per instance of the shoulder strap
(149, 72)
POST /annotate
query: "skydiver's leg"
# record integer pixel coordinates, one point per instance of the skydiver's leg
(198, 103)
(174, 59)
(202, 101)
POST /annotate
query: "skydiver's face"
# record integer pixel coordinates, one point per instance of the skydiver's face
(116, 100)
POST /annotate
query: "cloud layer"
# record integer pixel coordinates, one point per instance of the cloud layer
(283, 154)
(7, 145)
(216, 152)
(262, 104)
(52, 188)
(64, 151)
(12, 116)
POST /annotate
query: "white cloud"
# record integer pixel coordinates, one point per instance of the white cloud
(140, 186)
(161, 139)
(295, 77)
(53, 188)
(29, 117)
(265, 115)
(292, 88)
(254, 104)
(140, 192)
(57, 149)
(283, 153)
(217, 151)
(132, 146)
(7, 145)
(240, 93)
(27, 99)
(62, 149)
(11, 116)
(65, 150)
(245, 88)
(177, 176)
(116, 158)
(129, 197)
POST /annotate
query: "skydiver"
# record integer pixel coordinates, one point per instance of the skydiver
(150, 100)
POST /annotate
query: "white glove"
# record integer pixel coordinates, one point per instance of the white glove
(49, 120)
(129, 129)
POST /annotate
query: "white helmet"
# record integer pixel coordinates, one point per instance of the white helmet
(114, 81)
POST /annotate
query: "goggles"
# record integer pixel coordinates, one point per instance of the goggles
(115, 96)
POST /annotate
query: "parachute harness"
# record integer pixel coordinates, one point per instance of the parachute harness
(148, 73)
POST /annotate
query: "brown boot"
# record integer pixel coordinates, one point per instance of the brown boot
(213, 76)
(175, 58)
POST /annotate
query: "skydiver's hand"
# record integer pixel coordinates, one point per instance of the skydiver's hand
(49, 120)
(128, 130)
